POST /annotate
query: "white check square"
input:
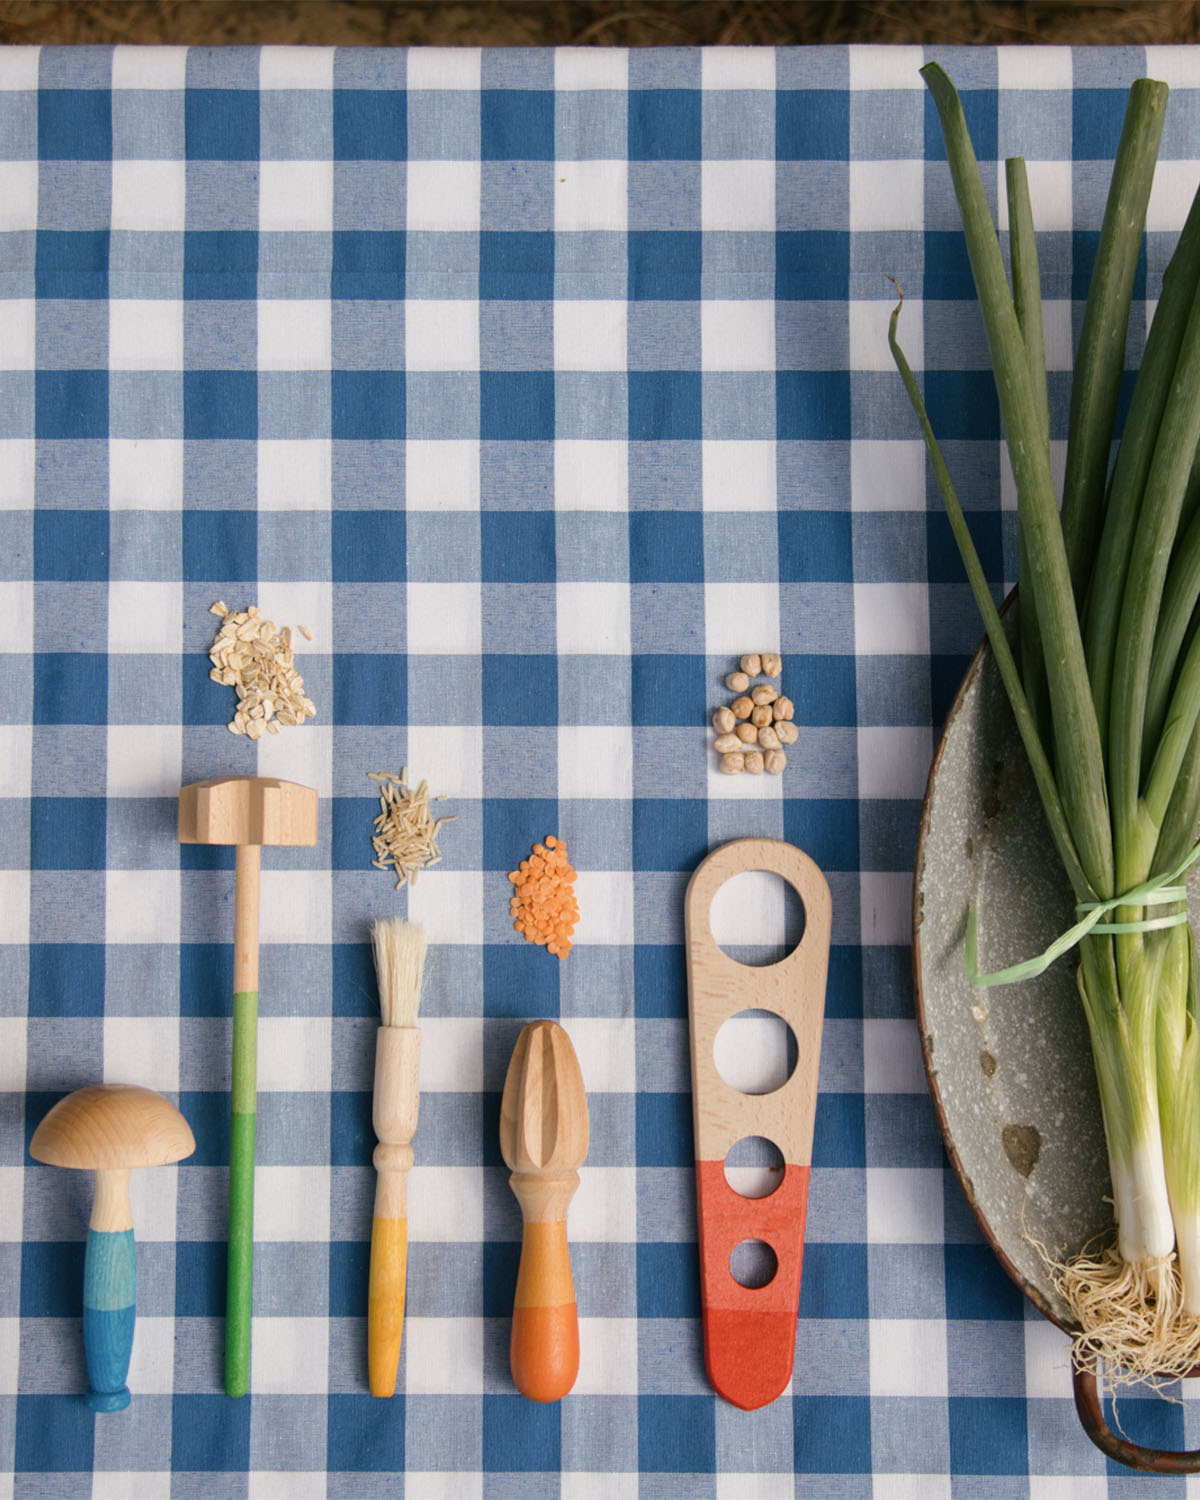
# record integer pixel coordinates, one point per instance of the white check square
(145, 334)
(296, 906)
(16, 764)
(738, 475)
(295, 68)
(300, 753)
(892, 1058)
(448, 904)
(887, 195)
(1049, 195)
(445, 1204)
(295, 195)
(291, 1204)
(451, 1055)
(590, 474)
(908, 1357)
(295, 1053)
(443, 1356)
(294, 334)
(891, 619)
(152, 1363)
(590, 195)
(737, 335)
(16, 616)
(905, 1205)
(590, 335)
(593, 618)
(595, 760)
(608, 1362)
(444, 68)
(18, 195)
(444, 619)
(18, 465)
(869, 318)
(735, 613)
(885, 908)
(290, 1356)
(441, 334)
(893, 761)
(141, 906)
(605, 1207)
(596, 68)
(737, 195)
(887, 474)
(145, 618)
(10, 1356)
(149, 67)
(606, 907)
(143, 1050)
(451, 757)
(1047, 1362)
(295, 473)
(605, 1047)
(443, 195)
(145, 474)
(149, 195)
(441, 474)
(18, 334)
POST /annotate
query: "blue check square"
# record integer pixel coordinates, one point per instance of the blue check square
(665, 124)
(826, 828)
(516, 405)
(219, 544)
(659, 980)
(211, 1433)
(70, 687)
(989, 1435)
(669, 689)
(370, 264)
(368, 404)
(666, 546)
(200, 1272)
(516, 264)
(67, 979)
(669, 833)
(67, 833)
(368, 546)
(52, 1279)
(74, 124)
(677, 1435)
(981, 108)
(72, 264)
(812, 125)
(221, 124)
(521, 1436)
(220, 264)
(832, 1434)
(70, 546)
(370, 125)
(517, 546)
(207, 1112)
(815, 546)
(54, 1435)
(516, 125)
(665, 265)
(220, 404)
(812, 405)
(520, 979)
(520, 689)
(71, 404)
(370, 688)
(977, 1286)
(668, 1275)
(665, 405)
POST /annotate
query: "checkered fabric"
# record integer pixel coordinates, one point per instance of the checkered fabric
(540, 386)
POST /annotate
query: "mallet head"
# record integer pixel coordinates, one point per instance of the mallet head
(247, 810)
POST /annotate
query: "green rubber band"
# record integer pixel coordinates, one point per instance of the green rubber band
(1162, 890)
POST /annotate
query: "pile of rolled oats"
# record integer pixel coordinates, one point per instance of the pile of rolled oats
(252, 656)
(753, 729)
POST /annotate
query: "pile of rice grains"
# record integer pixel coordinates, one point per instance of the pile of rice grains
(543, 905)
(406, 832)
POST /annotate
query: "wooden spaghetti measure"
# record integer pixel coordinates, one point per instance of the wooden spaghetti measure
(750, 1332)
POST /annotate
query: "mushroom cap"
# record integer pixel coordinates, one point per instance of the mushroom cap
(112, 1125)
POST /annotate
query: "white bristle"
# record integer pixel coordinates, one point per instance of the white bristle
(399, 961)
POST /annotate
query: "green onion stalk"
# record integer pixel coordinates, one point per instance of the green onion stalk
(1104, 684)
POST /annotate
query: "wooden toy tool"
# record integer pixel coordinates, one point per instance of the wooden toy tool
(750, 1332)
(543, 1139)
(111, 1128)
(247, 811)
(399, 948)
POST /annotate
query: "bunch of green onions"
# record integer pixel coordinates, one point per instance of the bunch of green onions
(1107, 703)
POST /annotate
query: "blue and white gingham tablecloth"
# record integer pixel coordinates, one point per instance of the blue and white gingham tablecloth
(540, 386)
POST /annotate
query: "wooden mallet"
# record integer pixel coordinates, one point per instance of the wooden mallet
(246, 811)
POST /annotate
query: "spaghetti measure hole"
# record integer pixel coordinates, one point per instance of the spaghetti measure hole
(753, 1264)
(756, 917)
(755, 1052)
(754, 1167)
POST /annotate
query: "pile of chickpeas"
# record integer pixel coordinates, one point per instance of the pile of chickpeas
(754, 728)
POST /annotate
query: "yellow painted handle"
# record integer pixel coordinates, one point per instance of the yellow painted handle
(544, 1354)
(385, 1302)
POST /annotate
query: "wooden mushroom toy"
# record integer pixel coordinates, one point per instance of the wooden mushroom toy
(111, 1128)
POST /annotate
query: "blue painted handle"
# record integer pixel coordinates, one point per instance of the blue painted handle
(109, 1295)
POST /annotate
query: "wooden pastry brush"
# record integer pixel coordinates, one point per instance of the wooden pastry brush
(399, 962)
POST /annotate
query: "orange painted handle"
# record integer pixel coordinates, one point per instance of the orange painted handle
(750, 1332)
(544, 1354)
(385, 1302)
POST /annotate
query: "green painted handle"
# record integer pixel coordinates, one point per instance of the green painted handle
(241, 1193)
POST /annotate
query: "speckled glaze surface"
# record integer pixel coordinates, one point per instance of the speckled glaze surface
(1010, 1066)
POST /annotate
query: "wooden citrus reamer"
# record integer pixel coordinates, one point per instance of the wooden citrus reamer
(750, 1332)
(248, 812)
(544, 1139)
